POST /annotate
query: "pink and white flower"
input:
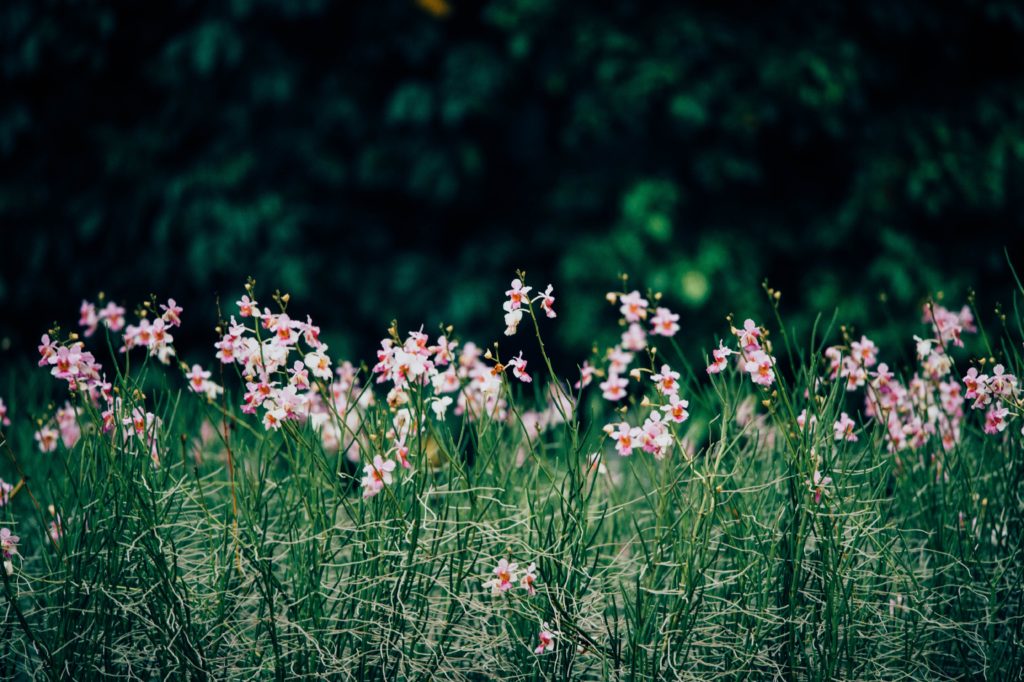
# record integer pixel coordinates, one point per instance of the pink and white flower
(529, 578)
(720, 360)
(676, 410)
(626, 437)
(376, 475)
(547, 302)
(112, 316)
(247, 307)
(440, 406)
(749, 337)
(664, 322)
(618, 360)
(199, 382)
(633, 306)
(843, 429)
(759, 367)
(586, 375)
(864, 351)
(47, 349)
(273, 417)
(517, 295)
(8, 543)
(505, 577)
(197, 378)
(443, 351)
(47, 438)
(634, 338)
(518, 365)
(319, 364)
(655, 435)
(834, 355)
(666, 380)
(547, 639)
(614, 387)
(801, 420)
(995, 419)
(88, 318)
(512, 320)
(171, 313)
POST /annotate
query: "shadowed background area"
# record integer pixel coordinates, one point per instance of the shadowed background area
(401, 159)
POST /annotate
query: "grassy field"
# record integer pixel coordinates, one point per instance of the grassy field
(757, 506)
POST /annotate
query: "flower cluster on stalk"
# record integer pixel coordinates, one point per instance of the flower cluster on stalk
(506, 577)
(69, 361)
(655, 434)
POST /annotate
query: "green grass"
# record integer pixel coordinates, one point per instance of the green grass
(251, 554)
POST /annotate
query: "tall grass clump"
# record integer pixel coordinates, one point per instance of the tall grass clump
(812, 508)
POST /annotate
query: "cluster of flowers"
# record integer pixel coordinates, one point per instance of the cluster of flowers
(634, 309)
(415, 362)
(67, 418)
(517, 296)
(931, 403)
(435, 372)
(70, 362)
(154, 335)
(64, 427)
(990, 393)
(559, 404)
(853, 366)
(288, 376)
(281, 389)
(111, 315)
(506, 577)
(655, 435)
(753, 353)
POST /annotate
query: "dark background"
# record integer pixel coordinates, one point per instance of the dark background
(401, 158)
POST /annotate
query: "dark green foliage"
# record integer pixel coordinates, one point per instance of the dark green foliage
(381, 160)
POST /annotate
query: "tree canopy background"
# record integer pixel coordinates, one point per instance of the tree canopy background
(400, 158)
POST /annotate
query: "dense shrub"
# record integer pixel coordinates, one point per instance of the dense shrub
(413, 149)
